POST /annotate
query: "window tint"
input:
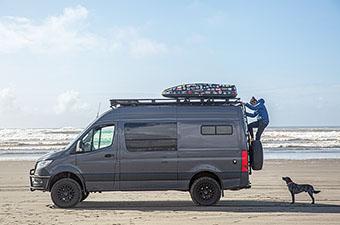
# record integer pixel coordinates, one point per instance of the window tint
(98, 138)
(106, 136)
(151, 136)
(216, 130)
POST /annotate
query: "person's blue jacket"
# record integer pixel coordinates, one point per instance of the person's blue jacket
(260, 111)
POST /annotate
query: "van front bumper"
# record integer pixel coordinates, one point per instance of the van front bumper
(38, 182)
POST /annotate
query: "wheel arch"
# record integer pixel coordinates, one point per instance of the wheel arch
(66, 174)
(205, 173)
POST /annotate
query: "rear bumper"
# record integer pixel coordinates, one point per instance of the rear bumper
(38, 182)
(236, 184)
(245, 182)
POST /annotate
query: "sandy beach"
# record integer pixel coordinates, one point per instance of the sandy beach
(267, 202)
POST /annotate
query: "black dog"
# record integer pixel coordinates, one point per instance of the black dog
(298, 188)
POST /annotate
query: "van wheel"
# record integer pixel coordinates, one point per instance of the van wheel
(84, 195)
(205, 191)
(66, 193)
(256, 155)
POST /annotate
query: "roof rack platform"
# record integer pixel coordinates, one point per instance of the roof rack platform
(173, 101)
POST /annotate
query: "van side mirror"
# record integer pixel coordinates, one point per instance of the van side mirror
(80, 146)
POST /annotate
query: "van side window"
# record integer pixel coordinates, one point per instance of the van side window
(208, 130)
(216, 130)
(224, 130)
(98, 138)
(151, 136)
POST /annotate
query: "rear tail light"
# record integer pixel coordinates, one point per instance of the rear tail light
(244, 159)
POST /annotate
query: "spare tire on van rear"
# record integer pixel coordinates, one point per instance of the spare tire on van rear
(256, 155)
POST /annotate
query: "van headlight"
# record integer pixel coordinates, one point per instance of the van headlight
(43, 164)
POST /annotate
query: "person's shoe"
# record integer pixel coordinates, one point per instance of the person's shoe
(251, 139)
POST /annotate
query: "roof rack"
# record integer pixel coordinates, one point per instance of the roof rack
(175, 101)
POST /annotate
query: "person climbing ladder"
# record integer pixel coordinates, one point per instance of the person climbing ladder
(261, 113)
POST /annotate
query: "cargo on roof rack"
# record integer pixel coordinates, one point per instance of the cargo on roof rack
(201, 90)
(171, 101)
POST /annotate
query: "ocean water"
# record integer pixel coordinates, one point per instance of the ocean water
(278, 143)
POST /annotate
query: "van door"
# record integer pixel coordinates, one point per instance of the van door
(148, 156)
(96, 157)
(211, 146)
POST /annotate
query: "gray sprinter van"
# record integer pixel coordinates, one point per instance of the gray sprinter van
(154, 144)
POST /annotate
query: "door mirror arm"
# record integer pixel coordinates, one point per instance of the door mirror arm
(80, 146)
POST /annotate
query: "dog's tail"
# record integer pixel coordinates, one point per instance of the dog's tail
(316, 192)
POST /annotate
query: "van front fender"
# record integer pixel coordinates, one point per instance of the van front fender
(66, 170)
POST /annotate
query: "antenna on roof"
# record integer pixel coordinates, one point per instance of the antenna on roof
(98, 110)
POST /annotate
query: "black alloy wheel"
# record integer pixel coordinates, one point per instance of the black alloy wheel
(66, 193)
(205, 191)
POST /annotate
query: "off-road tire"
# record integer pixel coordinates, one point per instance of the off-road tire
(66, 193)
(205, 191)
(256, 155)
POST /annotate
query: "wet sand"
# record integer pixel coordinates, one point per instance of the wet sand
(267, 202)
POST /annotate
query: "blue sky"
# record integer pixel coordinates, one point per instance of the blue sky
(59, 59)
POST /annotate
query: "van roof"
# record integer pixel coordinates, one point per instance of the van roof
(132, 111)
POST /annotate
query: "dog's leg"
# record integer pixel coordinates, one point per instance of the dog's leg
(311, 195)
(293, 198)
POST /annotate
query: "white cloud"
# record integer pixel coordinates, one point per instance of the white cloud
(138, 46)
(70, 101)
(68, 32)
(7, 101)
(65, 32)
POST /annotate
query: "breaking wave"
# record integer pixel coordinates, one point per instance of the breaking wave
(273, 138)
(301, 138)
(279, 143)
(37, 139)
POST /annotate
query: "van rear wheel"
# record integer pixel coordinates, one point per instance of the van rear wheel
(205, 191)
(66, 193)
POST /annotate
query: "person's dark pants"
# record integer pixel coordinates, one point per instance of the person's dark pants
(260, 125)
